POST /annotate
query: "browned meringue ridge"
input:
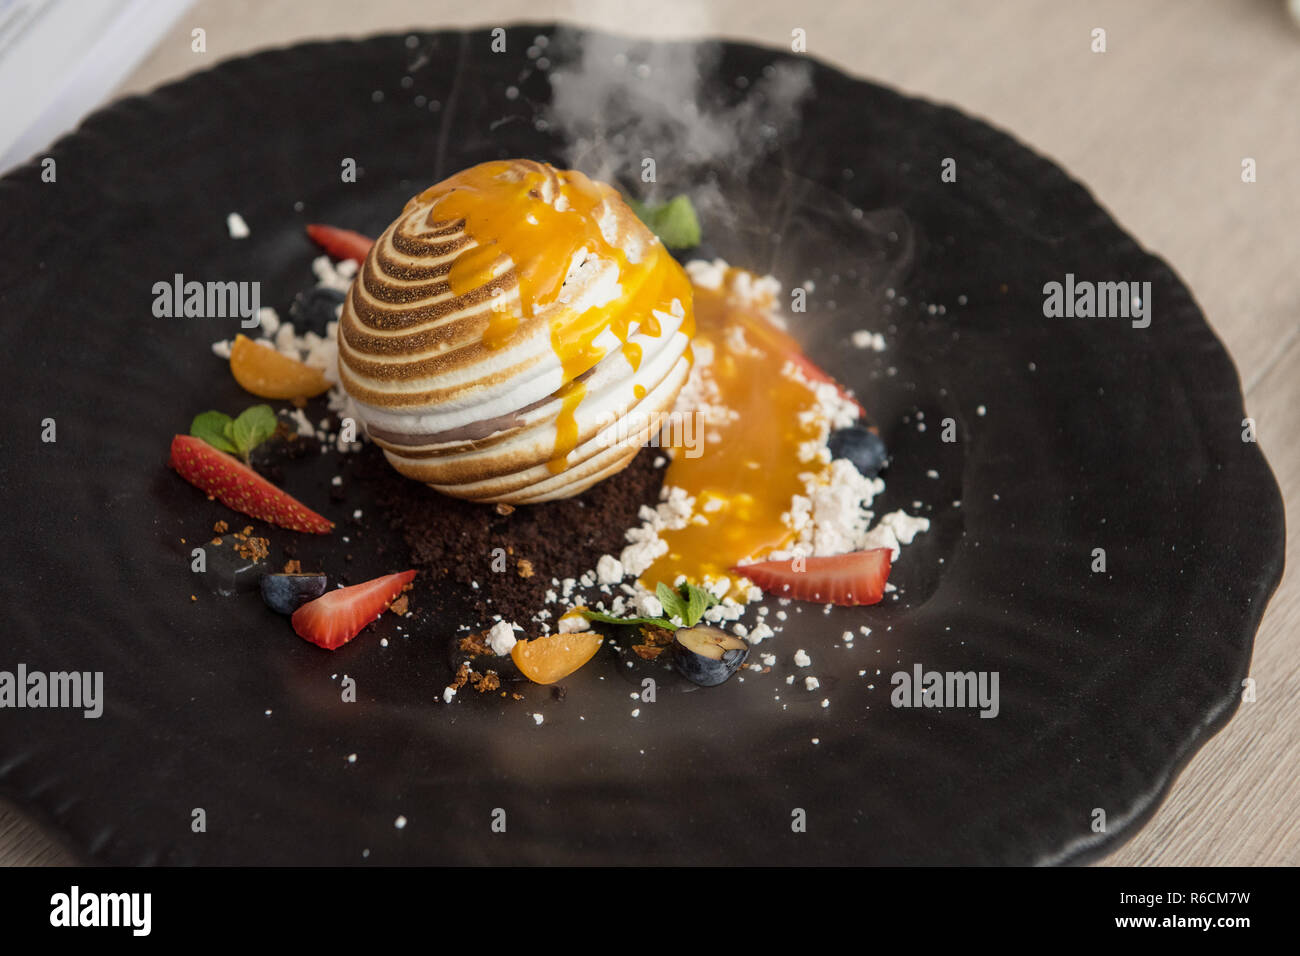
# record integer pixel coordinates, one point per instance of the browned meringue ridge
(515, 335)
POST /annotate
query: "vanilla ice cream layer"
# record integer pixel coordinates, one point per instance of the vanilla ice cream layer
(614, 396)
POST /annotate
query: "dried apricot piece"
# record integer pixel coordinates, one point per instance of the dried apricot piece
(263, 371)
(544, 660)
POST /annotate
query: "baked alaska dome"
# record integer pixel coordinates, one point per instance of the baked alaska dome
(516, 335)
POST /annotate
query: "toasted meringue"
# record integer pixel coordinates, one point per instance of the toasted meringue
(515, 335)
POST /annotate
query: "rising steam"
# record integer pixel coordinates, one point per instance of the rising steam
(731, 143)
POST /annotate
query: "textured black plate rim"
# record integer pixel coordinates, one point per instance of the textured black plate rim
(1003, 144)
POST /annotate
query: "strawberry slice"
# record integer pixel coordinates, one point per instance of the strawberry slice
(337, 616)
(237, 486)
(844, 579)
(340, 243)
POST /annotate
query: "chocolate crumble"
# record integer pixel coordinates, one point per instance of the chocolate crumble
(511, 554)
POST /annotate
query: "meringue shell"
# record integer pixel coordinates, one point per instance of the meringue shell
(515, 335)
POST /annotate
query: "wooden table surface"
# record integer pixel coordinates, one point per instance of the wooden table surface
(1157, 127)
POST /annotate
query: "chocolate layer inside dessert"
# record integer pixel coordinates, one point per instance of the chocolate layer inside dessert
(512, 554)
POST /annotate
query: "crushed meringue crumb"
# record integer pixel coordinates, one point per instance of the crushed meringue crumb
(573, 623)
(864, 339)
(609, 569)
(501, 638)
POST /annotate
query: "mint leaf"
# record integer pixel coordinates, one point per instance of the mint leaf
(686, 603)
(213, 428)
(674, 222)
(697, 602)
(611, 619)
(694, 606)
(673, 604)
(254, 426)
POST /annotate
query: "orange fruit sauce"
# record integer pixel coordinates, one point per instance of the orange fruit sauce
(749, 468)
(509, 220)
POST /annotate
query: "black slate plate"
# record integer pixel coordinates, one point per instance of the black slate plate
(1096, 435)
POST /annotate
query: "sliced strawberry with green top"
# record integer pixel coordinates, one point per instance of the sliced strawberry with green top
(845, 579)
(237, 486)
(340, 243)
(337, 616)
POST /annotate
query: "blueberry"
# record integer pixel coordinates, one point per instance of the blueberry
(862, 447)
(315, 308)
(288, 592)
(707, 656)
(231, 566)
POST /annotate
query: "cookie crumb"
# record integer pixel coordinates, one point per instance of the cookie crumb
(473, 644)
(251, 549)
(462, 677)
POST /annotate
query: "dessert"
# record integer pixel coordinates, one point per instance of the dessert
(505, 329)
(643, 452)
